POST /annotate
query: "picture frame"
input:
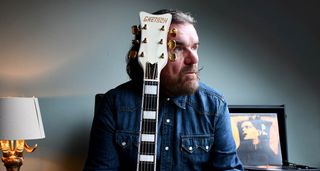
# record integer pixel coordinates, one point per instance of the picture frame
(259, 132)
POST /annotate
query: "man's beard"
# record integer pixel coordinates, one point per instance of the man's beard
(187, 87)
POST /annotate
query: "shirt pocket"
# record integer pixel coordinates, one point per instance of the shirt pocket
(196, 148)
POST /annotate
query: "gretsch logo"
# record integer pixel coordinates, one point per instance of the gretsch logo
(155, 19)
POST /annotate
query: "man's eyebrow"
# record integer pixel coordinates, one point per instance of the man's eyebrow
(179, 43)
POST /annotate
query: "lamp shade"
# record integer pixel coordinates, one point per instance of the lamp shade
(20, 118)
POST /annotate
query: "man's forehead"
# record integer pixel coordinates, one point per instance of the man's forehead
(186, 33)
(183, 26)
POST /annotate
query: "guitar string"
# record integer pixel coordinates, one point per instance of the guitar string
(153, 127)
(142, 147)
(155, 106)
(143, 125)
(149, 107)
(154, 68)
(146, 124)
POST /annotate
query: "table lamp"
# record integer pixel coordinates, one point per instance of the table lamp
(20, 120)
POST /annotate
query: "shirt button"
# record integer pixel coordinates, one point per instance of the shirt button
(166, 148)
(190, 148)
(123, 143)
(207, 147)
(168, 99)
(168, 120)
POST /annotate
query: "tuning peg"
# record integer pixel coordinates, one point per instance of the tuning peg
(172, 57)
(161, 41)
(145, 27)
(162, 28)
(135, 42)
(172, 44)
(135, 30)
(132, 54)
(173, 32)
(162, 55)
(144, 40)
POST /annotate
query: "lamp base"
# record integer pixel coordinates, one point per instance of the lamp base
(12, 153)
(12, 164)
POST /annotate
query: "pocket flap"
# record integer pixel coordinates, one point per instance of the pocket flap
(125, 139)
(191, 143)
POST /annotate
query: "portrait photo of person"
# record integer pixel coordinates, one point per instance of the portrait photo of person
(257, 141)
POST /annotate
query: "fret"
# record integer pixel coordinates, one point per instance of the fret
(151, 82)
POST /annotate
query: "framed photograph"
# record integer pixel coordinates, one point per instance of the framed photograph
(259, 133)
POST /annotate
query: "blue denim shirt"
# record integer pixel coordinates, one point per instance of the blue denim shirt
(194, 132)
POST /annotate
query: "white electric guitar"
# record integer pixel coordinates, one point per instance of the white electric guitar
(152, 56)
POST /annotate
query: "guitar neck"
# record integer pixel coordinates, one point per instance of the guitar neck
(149, 121)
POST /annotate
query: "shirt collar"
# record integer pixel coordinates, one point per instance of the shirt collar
(180, 101)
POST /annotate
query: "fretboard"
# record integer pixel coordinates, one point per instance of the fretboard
(147, 151)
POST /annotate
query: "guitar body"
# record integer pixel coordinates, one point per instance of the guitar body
(152, 57)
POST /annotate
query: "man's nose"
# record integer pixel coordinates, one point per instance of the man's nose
(192, 57)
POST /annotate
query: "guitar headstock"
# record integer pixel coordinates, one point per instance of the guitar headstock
(152, 54)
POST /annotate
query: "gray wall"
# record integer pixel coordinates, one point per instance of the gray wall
(254, 52)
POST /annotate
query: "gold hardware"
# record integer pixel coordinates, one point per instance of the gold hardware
(135, 42)
(161, 41)
(135, 30)
(173, 32)
(145, 27)
(162, 28)
(141, 54)
(12, 153)
(144, 40)
(172, 57)
(132, 54)
(172, 44)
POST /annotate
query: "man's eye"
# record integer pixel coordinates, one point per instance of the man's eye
(195, 47)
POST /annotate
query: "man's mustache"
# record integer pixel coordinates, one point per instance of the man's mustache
(190, 69)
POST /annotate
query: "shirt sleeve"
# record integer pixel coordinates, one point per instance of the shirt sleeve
(102, 154)
(225, 153)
